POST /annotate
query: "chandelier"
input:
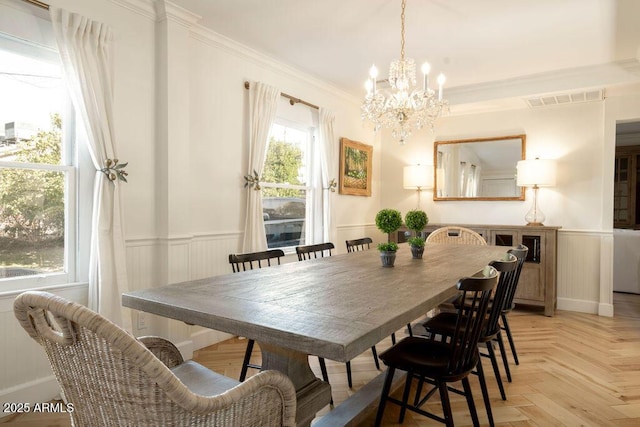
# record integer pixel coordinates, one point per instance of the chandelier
(403, 106)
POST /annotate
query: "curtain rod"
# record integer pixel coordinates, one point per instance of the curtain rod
(37, 3)
(292, 99)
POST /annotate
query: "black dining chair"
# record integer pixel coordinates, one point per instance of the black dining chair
(521, 253)
(442, 326)
(314, 251)
(442, 362)
(249, 261)
(357, 245)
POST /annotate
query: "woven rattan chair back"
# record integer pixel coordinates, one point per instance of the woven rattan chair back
(251, 260)
(357, 245)
(456, 235)
(314, 251)
(112, 379)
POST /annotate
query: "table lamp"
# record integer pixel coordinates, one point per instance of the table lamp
(536, 173)
(418, 177)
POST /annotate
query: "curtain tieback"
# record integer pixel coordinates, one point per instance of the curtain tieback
(114, 170)
(332, 185)
(252, 181)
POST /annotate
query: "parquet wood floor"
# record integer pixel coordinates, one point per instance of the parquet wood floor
(575, 370)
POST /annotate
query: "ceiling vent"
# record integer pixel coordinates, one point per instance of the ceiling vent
(566, 98)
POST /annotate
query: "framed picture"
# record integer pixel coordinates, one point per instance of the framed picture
(355, 168)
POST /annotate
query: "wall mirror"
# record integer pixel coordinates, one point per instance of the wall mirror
(478, 168)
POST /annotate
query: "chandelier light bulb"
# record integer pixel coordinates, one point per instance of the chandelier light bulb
(426, 68)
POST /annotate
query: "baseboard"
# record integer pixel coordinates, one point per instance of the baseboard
(580, 306)
(200, 339)
(38, 391)
(208, 337)
(605, 310)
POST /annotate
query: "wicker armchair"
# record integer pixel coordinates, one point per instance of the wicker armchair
(112, 379)
(456, 235)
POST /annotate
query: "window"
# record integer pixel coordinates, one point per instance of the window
(288, 186)
(38, 215)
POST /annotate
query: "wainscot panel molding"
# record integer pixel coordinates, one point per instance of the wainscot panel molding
(356, 231)
(190, 257)
(25, 373)
(585, 271)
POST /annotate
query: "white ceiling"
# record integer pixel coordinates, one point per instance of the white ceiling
(536, 46)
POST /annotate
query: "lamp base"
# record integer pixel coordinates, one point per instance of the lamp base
(535, 224)
(535, 216)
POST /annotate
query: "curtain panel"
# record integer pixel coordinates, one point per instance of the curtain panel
(85, 49)
(263, 104)
(329, 168)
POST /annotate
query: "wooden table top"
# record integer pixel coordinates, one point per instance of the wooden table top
(334, 307)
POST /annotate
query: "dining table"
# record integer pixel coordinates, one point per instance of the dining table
(333, 307)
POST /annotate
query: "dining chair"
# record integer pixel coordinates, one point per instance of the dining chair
(456, 235)
(314, 251)
(442, 326)
(113, 379)
(240, 262)
(521, 253)
(357, 245)
(442, 362)
(247, 261)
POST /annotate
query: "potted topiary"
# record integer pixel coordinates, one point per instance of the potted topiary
(388, 221)
(416, 220)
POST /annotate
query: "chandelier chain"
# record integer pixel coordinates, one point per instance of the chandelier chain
(404, 5)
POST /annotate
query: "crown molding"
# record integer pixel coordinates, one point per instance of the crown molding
(144, 8)
(170, 11)
(579, 78)
(158, 10)
(240, 50)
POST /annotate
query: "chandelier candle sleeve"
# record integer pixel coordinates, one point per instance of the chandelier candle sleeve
(425, 71)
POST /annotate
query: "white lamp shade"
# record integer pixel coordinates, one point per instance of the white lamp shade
(418, 176)
(540, 172)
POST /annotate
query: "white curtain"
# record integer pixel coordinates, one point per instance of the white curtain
(263, 104)
(85, 50)
(329, 167)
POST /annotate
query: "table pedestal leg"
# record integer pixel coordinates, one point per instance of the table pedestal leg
(312, 394)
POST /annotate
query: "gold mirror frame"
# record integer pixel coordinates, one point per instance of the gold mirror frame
(499, 145)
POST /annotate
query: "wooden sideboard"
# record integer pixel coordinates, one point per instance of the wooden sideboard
(537, 285)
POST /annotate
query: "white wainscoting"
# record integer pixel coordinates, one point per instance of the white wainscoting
(357, 231)
(585, 273)
(155, 262)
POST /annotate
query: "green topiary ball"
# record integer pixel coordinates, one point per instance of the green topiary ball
(416, 220)
(388, 220)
